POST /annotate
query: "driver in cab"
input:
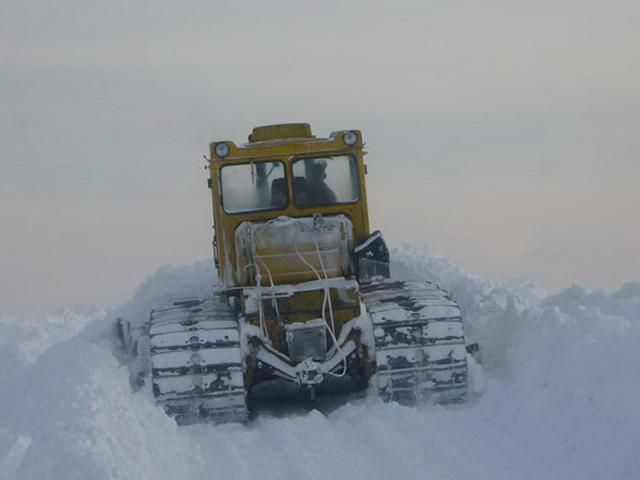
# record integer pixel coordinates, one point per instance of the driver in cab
(317, 190)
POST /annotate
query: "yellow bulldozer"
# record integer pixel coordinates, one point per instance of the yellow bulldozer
(305, 292)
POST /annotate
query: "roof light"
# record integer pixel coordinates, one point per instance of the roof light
(222, 149)
(350, 138)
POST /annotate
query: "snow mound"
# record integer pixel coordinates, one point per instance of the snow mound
(561, 401)
(165, 285)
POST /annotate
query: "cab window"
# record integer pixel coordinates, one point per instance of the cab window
(322, 181)
(254, 186)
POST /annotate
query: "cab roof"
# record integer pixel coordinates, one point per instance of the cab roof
(283, 139)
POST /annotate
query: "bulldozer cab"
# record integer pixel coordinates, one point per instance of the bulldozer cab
(269, 193)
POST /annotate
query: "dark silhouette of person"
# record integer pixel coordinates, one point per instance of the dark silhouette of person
(317, 190)
(279, 193)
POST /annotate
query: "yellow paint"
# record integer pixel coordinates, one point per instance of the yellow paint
(286, 143)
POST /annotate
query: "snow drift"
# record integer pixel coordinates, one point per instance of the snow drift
(561, 401)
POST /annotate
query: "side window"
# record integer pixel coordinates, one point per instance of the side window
(325, 180)
(253, 186)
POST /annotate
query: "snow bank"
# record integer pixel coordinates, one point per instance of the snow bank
(30, 336)
(561, 401)
(75, 412)
(563, 367)
(167, 284)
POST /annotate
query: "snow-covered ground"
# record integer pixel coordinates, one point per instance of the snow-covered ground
(562, 399)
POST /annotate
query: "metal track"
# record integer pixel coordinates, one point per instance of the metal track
(196, 362)
(420, 346)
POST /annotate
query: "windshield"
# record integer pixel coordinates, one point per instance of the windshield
(254, 186)
(325, 180)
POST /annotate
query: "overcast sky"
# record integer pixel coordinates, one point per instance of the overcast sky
(504, 134)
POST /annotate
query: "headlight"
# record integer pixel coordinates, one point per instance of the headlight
(222, 150)
(350, 138)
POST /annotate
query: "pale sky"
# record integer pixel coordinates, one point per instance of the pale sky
(504, 134)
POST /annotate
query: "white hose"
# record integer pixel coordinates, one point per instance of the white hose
(327, 298)
(254, 252)
(327, 293)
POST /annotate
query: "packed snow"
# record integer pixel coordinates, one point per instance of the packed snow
(561, 401)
